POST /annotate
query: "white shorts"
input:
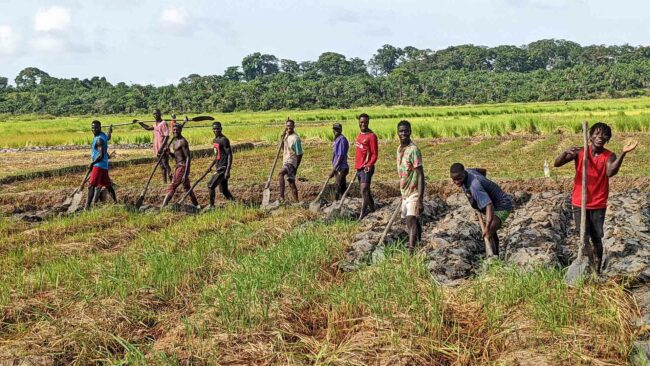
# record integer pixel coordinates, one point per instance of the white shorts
(410, 205)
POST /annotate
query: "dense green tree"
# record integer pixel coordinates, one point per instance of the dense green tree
(232, 73)
(257, 64)
(385, 60)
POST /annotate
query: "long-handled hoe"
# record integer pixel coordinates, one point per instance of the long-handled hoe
(488, 241)
(393, 217)
(75, 198)
(266, 195)
(581, 263)
(337, 210)
(314, 206)
(180, 202)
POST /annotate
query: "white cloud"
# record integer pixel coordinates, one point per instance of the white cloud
(53, 18)
(174, 16)
(48, 43)
(8, 40)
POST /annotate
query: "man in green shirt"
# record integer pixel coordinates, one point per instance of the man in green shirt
(411, 182)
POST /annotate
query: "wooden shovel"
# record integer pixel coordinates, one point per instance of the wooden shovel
(314, 206)
(488, 241)
(140, 200)
(581, 263)
(193, 186)
(266, 195)
(337, 210)
(75, 198)
(393, 217)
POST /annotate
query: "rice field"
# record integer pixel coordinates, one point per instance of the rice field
(239, 285)
(625, 115)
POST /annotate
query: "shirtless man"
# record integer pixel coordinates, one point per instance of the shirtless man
(160, 139)
(181, 152)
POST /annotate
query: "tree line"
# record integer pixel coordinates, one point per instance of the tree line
(544, 70)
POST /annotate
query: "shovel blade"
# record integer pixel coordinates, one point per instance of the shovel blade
(576, 270)
(75, 200)
(314, 206)
(139, 202)
(266, 197)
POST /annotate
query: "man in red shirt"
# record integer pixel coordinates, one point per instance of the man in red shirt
(365, 158)
(601, 165)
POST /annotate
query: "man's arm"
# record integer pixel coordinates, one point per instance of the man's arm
(228, 151)
(614, 163)
(298, 162)
(188, 157)
(489, 217)
(374, 148)
(420, 171)
(336, 165)
(110, 132)
(163, 145)
(566, 156)
(99, 157)
(145, 126)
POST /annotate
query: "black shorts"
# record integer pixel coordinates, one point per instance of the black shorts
(594, 224)
(289, 170)
(365, 177)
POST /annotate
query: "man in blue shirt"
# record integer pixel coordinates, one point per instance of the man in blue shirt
(486, 196)
(340, 167)
(99, 165)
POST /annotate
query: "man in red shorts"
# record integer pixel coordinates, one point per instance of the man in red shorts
(365, 157)
(183, 158)
(99, 174)
(601, 165)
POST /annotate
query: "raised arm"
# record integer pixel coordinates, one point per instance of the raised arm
(145, 126)
(568, 155)
(614, 163)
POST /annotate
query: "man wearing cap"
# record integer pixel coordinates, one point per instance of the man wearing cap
(340, 167)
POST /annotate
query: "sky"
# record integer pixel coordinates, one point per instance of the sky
(158, 42)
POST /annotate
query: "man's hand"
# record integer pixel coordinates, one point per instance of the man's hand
(183, 180)
(419, 207)
(572, 152)
(110, 129)
(366, 169)
(227, 174)
(486, 232)
(629, 146)
(333, 173)
(91, 165)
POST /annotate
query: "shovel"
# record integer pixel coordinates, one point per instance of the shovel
(337, 210)
(194, 119)
(488, 242)
(140, 200)
(75, 198)
(266, 195)
(193, 186)
(580, 265)
(314, 206)
(393, 217)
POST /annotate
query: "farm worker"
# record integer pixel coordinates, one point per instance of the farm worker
(223, 161)
(411, 182)
(601, 165)
(160, 139)
(291, 158)
(365, 157)
(340, 167)
(182, 156)
(485, 196)
(99, 165)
